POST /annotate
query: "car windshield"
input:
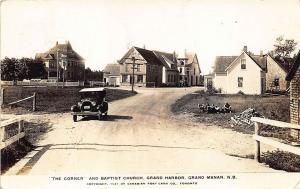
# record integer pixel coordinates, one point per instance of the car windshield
(92, 95)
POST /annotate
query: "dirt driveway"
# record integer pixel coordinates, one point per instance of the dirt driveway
(140, 135)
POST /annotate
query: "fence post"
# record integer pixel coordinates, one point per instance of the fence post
(2, 134)
(2, 97)
(34, 101)
(20, 126)
(257, 143)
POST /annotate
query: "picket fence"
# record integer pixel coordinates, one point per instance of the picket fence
(43, 83)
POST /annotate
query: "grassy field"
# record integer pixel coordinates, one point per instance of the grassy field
(51, 99)
(272, 107)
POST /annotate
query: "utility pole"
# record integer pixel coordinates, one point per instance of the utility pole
(133, 68)
(57, 68)
(64, 60)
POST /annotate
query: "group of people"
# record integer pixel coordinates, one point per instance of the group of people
(215, 109)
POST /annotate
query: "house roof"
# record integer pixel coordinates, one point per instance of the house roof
(294, 68)
(167, 59)
(260, 60)
(62, 48)
(187, 55)
(222, 62)
(149, 56)
(284, 63)
(112, 69)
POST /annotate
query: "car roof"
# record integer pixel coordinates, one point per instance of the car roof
(95, 89)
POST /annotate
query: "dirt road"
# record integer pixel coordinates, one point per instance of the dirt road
(140, 135)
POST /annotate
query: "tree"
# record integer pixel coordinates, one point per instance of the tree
(8, 69)
(284, 47)
(19, 69)
(35, 68)
(93, 75)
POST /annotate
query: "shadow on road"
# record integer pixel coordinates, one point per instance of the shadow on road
(107, 118)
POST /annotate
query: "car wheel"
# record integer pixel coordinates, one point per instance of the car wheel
(100, 116)
(75, 118)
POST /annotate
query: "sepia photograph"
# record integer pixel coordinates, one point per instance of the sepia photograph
(150, 94)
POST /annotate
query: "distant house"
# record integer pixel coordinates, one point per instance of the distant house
(153, 68)
(277, 70)
(293, 77)
(189, 69)
(160, 68)
(170, 74)
(63, 63)
(111, 74)
(248, 73)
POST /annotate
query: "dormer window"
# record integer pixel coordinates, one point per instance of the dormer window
(243, 64)
(182, 63)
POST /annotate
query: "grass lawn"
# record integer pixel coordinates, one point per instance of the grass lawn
(51, 99)
(271, 107)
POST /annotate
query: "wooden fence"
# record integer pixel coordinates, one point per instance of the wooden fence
(258, 139)
(33, 97)
(8, 134)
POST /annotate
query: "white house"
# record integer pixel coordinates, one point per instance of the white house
(247, 73)
(189, 69)
(111, 74)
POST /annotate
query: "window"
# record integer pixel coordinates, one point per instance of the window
(182, 63)
(276, 82)
(140, 78)
(180, 70)
(240, 82)
(126, 67)
(168, 78)
(243, 63)
(138, 68)
(124, 78)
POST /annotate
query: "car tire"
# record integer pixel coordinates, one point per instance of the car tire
(75, 118)
(100, 116)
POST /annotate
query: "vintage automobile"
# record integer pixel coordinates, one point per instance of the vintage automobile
(92, 103)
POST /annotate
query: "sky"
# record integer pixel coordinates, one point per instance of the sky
(102, 31)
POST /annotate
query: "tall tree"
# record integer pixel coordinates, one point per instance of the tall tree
(8, 71)
(284, 47)
(19, 69)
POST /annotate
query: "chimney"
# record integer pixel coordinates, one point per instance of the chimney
(56, 42)
(261, 53)
(174, 56)
(185, 53)
(144, 46)
(245, 48)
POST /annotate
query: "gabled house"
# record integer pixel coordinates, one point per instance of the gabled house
(293, 77)
(170, 74)
(111, 74)
(63, 63)
(189, 69)
(277, 70)
(148, 69)
(247, 73)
